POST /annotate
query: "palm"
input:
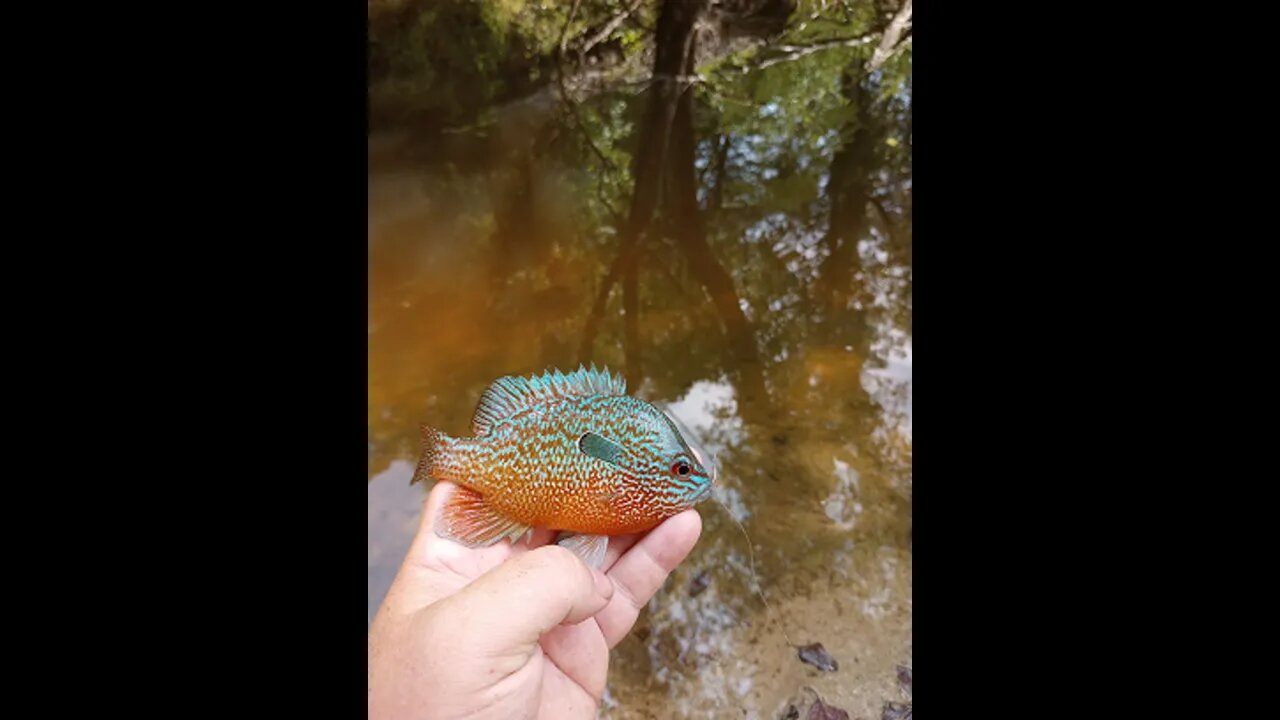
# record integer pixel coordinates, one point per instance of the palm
(564, 674)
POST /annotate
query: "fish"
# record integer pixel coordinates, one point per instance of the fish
(572, 452)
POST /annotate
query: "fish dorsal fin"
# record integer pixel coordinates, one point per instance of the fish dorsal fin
(509, 395)
(601, 448)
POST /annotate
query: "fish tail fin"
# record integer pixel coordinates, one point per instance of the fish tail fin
(434, 443)
(470, 520)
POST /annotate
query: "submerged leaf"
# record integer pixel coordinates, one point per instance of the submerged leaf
(817, 656)
(699, 583)
(896, 711)
(822, 711)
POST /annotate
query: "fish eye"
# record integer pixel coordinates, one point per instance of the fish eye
(681, 468)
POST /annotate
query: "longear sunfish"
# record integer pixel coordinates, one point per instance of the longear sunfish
(570, 452)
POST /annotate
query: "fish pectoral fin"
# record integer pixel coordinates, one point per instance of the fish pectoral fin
(591, 548)
(468, 519)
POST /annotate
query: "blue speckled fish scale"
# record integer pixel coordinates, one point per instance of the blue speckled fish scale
(527, 462)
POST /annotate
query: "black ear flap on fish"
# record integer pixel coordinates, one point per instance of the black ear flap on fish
(601, 448)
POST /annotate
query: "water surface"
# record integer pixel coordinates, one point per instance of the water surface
(485, 258)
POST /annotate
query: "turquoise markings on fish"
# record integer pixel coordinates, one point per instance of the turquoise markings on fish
(566, 451)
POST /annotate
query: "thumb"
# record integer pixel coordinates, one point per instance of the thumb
(508, 609)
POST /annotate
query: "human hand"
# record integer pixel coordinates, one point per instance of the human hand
(510, 631)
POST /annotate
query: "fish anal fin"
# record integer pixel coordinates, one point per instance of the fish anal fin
(591, 548)
(468, 519)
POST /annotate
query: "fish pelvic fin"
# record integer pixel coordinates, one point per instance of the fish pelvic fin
(469, 520)
(591, 548)
(434, 444)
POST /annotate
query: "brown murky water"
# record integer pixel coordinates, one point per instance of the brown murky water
(813, 433)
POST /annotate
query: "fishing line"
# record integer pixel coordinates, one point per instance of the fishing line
(712, 463)
(755, 580)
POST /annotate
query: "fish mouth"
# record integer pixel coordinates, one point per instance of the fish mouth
(702, 493)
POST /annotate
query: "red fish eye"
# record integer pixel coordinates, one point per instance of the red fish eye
(681, 468)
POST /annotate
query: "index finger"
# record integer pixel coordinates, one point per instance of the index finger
(642, 569)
